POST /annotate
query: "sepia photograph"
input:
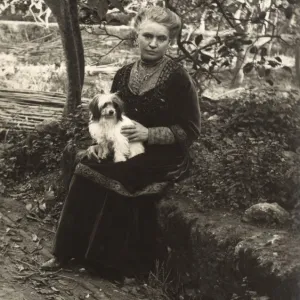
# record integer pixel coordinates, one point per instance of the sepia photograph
(150, 149)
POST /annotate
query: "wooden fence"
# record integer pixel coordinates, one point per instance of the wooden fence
(23, 109)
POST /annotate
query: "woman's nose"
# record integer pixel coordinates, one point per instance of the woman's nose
(153, 43)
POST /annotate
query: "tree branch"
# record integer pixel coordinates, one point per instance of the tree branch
(221, 8)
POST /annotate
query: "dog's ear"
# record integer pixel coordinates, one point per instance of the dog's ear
(117, 100)
(119, 106)
(94, 108)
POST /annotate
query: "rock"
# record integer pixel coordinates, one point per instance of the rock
(266, 213)
(48, 126)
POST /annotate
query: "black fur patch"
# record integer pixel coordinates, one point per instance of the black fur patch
(94, 109)
(119, 107)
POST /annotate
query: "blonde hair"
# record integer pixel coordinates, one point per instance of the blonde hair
(160, 15)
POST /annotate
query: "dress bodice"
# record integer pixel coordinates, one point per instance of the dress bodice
(153, 107)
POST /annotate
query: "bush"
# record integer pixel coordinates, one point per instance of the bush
(41, 151)
(248, 151)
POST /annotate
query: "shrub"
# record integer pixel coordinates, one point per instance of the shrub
(41, 151)
(248, 152)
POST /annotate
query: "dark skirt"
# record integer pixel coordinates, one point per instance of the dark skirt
(109, 216)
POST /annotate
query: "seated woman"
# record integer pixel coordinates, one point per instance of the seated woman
(109, 215)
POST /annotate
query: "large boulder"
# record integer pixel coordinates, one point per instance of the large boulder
(266, 213)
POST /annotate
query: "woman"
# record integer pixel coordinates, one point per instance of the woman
(109, 216)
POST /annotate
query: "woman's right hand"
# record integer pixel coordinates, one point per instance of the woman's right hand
(94, 152)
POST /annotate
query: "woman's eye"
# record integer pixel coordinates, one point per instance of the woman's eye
(148, 36)
(162, 38)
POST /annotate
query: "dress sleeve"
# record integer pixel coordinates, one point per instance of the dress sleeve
(183, 96)
(116, 82)
(161, 136)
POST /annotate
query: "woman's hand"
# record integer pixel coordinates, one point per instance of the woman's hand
(136, 132)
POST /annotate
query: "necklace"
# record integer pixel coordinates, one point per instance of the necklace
(146, 70)
(144, 75)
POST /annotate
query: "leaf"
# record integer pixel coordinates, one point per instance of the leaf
(288, 69)
(278, 59)
(93, 3)
(267, 72)
(262, 15)
(34, 237)
(42, 206)
(102, 8)
(255, 20)
(225, 63)
(205, 58)
(246, 42)
(273, 63)
(261, 70)
(253, 50)
(117, 4)
(288, 12)
(20, 267)
(29, 206)
(263, 51)
(248, 68)
(54, 289)
(223, 49)
(198, 39)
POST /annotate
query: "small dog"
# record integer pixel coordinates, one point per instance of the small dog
(107, 119)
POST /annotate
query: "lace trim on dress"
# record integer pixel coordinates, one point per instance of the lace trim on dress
(153, 100)
(161, 136)
(113, 185)
(142, 79)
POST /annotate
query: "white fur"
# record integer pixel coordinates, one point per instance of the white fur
(107, 133)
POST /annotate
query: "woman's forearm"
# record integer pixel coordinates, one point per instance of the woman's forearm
(160, 136)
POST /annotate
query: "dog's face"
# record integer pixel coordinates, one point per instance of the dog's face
(106, 106)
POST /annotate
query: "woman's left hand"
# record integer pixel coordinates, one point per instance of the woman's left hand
(136, 132)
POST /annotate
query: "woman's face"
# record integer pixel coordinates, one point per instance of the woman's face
(153, 40)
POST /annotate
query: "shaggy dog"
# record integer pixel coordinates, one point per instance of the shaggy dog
(107, 119)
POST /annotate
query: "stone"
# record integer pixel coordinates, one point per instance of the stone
(48, 126)
(266, 213)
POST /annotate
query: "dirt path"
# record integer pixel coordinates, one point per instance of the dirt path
(24, 244)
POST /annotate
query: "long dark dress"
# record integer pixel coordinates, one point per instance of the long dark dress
(109, 215)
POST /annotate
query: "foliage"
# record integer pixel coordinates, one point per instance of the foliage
(248, 152)
(41, 151)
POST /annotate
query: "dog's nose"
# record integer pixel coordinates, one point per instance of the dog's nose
(111, 112)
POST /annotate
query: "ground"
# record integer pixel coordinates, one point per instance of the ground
(26, 243)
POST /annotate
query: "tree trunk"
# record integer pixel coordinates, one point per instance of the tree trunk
(297, 62)
(66, 14)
